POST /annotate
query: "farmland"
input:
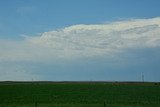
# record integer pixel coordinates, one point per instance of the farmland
(79, 94)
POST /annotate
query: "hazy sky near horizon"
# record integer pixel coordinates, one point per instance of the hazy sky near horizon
(60, 40)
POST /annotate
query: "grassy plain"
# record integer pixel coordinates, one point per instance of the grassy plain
(79, 94)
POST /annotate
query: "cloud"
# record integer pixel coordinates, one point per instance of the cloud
(26, 10)
(122, 46)
(100, 40)
(84, 41)
(16, 72)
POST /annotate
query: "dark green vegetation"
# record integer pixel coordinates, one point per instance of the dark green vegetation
(79, 94)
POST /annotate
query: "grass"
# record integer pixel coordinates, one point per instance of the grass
(77, 94)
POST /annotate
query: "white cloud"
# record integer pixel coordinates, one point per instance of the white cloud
(81, 41)
(77, 42)
(103, 39)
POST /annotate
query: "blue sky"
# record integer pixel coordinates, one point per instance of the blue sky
(113, 40)
(30, 17)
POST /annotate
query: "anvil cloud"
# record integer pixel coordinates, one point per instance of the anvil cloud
(84, 41)
(101, 39)
(107, 40)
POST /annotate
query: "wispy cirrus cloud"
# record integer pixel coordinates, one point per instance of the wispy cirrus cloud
(12, 71)
(26, 10)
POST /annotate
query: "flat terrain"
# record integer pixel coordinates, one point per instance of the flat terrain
(79, 94)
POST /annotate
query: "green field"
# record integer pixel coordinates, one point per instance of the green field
(79, 94)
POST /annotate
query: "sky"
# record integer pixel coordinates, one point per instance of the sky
(79, 40)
